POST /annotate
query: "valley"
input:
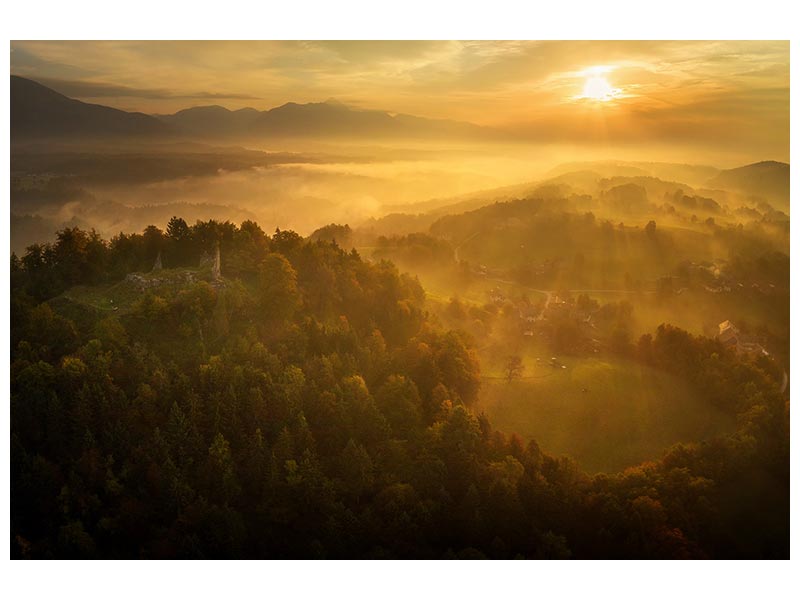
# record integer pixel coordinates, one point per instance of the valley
(304, 328)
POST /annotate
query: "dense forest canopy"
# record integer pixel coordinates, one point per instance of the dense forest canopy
(295, 400)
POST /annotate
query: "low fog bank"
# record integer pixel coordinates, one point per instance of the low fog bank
(306, 185)
(128, 187)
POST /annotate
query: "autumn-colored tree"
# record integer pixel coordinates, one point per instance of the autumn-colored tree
(513, 368)
(278, 294)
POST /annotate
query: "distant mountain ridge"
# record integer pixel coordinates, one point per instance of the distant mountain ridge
(39, 112)
(211, 120)
(330, 118)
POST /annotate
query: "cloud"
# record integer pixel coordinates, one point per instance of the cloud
(93, 89)
(24, 62)
(670, 88)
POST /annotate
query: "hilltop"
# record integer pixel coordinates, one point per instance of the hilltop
(767, 179)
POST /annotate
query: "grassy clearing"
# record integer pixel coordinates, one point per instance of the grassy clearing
(606, 413)
(120, 295)
(123, 295)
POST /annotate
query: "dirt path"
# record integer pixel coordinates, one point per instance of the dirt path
(458, 248)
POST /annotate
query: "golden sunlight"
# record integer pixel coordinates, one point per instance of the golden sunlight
(397, 300)
(597, 86)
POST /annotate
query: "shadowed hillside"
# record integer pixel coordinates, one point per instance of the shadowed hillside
(768, 180)
(39, 112)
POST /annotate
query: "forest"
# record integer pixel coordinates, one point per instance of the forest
(215, 391)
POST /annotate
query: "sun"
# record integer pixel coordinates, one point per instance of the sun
(597, 86)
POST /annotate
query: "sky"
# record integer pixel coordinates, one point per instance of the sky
(714, 93)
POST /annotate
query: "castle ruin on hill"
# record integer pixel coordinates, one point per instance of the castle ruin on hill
(144, 281)
(214, 262)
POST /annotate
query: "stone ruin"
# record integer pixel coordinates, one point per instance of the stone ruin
(215, 268)
(207, 261)
(144, 282)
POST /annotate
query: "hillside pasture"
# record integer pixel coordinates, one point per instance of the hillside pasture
(607, 413)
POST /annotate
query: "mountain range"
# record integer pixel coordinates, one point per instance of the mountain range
(323, 119)
(39, 112)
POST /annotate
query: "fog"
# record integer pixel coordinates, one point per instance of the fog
(337, 329)
(299, 185)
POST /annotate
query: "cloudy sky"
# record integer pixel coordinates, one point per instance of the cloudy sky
(714, 92)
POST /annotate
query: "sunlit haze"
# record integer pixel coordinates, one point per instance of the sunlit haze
(713, 94)
(400, 300)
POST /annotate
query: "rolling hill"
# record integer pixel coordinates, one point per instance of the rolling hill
(694, 175)
(767, 179)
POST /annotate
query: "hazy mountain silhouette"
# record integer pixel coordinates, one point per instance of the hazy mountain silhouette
(695, 175)
(212, 120)
(767, 179)
(39, 112)
(321, 119)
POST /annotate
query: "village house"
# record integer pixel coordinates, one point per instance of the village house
(731, 337)
(728, 334)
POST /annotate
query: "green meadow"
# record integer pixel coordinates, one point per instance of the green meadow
(608, 414)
